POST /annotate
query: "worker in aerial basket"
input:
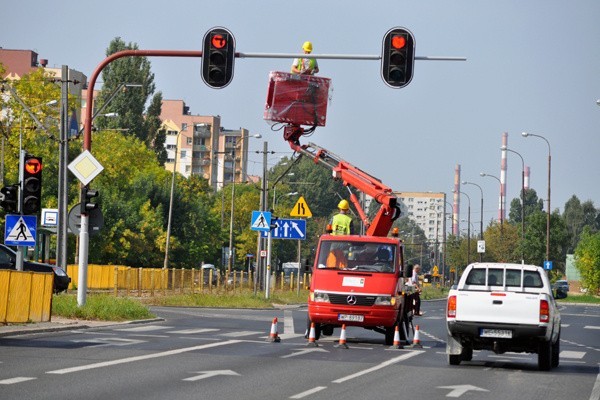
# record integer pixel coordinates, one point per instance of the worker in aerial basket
(305, 66)
(341, 223)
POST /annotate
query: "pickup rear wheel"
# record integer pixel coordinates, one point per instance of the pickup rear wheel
(467, 353)
(454, 359)
(545, 356)
(556, 352)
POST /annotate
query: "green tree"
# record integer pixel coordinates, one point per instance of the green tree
(532, 205)
(501, 242)
(587, 260)
(574, 220)
(130, 102)
(534, 246)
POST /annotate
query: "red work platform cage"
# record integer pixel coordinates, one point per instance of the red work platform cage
(297, 99)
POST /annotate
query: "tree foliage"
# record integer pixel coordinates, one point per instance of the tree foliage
(587, 260)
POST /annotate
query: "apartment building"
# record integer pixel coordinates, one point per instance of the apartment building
(427, 210)
(203, 146)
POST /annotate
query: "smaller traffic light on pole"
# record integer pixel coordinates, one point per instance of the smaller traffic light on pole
(9, 198)
(218, 56)
(32, 185)
(398, 57)
(87, 195)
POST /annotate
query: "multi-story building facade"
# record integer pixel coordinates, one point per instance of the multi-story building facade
(204, 147)
(427, 210)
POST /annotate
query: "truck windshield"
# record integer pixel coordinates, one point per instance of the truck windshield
(357, 256)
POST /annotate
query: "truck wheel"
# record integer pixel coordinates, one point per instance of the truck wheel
(466, 354)
(556, 352)
(545, 356)
(327, 330)
(389, 335)
(454, 359)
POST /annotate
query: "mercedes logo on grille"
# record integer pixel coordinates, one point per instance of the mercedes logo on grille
(351, 300)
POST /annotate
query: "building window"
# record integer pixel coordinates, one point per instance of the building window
(183, 153)
(171, 133)
(196, 154)
(171, 147)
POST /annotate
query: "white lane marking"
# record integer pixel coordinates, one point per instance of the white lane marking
(15, 380)
(145, 328)
(299, 352)
(140, 358)
(459, 390)
(572, 354)
(595, 395)
(308, 392)
(194, 331)
(240, 333)
(591, 327)
(210, 374)
(380, 366)
(288, 322)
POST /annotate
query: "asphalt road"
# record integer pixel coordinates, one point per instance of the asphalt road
(198, 353)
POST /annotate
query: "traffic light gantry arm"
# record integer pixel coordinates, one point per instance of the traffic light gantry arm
(352, 176)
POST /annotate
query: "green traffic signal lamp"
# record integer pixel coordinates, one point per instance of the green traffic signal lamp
(398, 57)
(218, 57)
(32, 185)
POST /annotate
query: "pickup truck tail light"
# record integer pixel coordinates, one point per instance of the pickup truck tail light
(544, 311)
(451, 309)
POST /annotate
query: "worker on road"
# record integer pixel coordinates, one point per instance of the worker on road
(305, 66)
(341, 223)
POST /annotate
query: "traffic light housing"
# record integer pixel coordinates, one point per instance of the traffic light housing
(398, 57)
(218, 56)
(87, 195)
(9, 198)
(32, 184)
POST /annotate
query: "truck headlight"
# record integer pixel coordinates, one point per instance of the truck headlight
(385, 301)
(319, 297)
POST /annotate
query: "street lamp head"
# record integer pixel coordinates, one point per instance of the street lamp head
(258, 136)
(524, 134)
(51, 102)
(503, 148)
(482, 174)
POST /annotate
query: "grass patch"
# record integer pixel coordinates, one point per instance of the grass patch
(433, 293)
(100, 307)
(580, 298)
(243, 299)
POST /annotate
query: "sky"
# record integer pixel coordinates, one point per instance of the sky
(531, 66)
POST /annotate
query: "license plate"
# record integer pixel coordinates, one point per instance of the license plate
(351, 317)
(496, 333)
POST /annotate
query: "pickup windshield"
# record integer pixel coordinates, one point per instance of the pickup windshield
(357, 256)
(497, 277)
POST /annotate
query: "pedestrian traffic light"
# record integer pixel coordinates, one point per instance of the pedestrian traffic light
(9, 197)
(32, 184)
(87, 195)
(218, 56)
(398, 57)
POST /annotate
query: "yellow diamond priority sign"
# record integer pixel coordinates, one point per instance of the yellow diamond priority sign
(301, 209)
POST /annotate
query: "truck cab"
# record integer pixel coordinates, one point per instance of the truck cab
(357, 281)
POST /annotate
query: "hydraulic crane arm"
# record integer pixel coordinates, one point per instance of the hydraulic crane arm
(358, 179)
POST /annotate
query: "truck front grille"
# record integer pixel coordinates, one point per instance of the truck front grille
(350, 299)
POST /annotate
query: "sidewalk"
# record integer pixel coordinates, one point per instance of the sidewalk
(62, 324)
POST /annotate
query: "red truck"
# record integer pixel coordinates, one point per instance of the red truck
(357, 280)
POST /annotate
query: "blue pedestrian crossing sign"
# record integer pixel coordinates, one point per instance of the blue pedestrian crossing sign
(261, 221)
(548, 265)
(288, 229)
(20, 230)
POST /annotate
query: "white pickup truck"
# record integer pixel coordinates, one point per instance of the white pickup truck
(503, 307)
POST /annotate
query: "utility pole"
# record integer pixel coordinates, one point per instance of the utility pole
(63, 154)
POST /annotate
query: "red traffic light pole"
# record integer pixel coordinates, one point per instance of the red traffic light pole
(87, 145)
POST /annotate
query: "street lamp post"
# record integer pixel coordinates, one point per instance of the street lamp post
(468, 228)
(168, 241)
(480, 222)
(525, 134)
(522, 199)
(501, 196)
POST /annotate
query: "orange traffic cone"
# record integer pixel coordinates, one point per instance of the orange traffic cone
(397, 344)
(311, 336)
(416, 338)
(273, 336)
(342, 341)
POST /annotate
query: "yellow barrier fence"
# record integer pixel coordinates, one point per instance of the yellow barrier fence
(25, 296)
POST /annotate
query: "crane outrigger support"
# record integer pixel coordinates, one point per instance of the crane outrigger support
(353, 177)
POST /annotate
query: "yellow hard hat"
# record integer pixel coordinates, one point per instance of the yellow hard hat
(343, 205)
(307, 46)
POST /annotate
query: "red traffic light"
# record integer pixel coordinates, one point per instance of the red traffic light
(33, 166)
(398, 42)
(218, 41)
